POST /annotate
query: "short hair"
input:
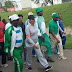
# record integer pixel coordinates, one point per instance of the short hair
(20, 15)
(3, 20)
(31, 17)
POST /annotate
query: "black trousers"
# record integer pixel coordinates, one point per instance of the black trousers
(3, 54)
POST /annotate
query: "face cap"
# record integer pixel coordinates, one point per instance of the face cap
(39, 10)
(14, 17)
(55, 15)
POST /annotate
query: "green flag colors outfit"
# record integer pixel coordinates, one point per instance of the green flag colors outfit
(13, 45)
(53, 26)
(42, 31)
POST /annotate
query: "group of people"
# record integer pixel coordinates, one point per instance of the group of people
(17, 37)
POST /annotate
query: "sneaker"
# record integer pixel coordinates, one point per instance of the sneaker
(4, 65)
(30, 68)
(64, 58)
(50, 59)
(48, 68)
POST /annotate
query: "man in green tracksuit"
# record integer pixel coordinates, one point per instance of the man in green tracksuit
(42, 35)
(14, 43)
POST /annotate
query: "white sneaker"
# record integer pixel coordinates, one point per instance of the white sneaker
(4, 65)
(58, 53)
(64, 58)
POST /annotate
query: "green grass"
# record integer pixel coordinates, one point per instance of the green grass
(68, 44)
(65, 9)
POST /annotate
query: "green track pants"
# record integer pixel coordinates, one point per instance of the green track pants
(47, 44)
(17, 54)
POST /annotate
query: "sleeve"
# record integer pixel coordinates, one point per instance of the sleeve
(51, 27)
(7, 42)
(36, 25)
(28, 36)
(43, 27)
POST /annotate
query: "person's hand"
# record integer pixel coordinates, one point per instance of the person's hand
(36, 46)
(58, 41)
(42, 37)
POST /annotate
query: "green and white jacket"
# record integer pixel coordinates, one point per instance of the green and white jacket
(10, 40)
(41, 25)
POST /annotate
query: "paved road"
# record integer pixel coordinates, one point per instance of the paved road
(58, 65)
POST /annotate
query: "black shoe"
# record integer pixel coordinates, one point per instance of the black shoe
(11, 59)
(48, 68)
(0, 71)
(30, 68)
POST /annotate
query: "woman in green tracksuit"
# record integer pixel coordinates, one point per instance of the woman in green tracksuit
(14, 42)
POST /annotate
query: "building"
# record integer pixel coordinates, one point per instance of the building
(27, 4)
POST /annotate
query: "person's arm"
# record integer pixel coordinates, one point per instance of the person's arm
(55, 37)
(7, 42)
(43, 27)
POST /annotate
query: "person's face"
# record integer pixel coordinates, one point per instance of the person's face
(32, 21)
(5, 22)
(60, 17)
(40, 13)
(20, 19)
(55, 18)
(15, 22)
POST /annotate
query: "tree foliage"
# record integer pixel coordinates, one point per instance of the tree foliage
(8, 4)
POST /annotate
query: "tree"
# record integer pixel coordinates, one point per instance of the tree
(0, 5)
(45, 2)
(8, 4)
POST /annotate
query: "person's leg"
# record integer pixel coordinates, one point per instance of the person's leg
(53, 41)
(3, 53)
(47, 44)
(42, 60)
(17, 54)
(40, 41)
(25, 52)
(60, 47)
(63, 41)
(29, 57)
(33, 52)
(56, 49)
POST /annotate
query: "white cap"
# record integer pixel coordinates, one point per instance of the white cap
(30, 13)
(14, 17)
(9, 17)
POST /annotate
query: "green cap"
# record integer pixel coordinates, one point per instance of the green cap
(55, 15)
(39, 10)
